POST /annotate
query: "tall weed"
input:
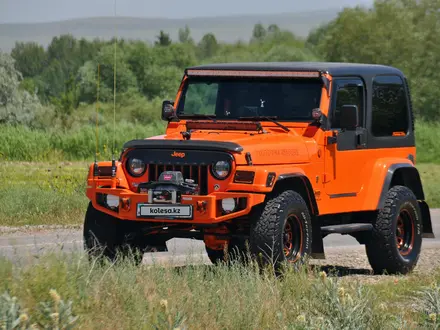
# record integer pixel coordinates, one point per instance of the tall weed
(123, 296)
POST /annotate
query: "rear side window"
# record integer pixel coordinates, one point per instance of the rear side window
(390, 107)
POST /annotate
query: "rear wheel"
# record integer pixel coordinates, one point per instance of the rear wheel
(106, 236)
(282, 231)
(396, 241)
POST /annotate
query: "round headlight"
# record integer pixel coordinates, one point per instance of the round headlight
(221, 169)
(136, 167)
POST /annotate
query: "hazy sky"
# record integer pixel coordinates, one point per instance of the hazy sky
(52, 10)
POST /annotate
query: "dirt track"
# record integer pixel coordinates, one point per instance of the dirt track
(342, 252)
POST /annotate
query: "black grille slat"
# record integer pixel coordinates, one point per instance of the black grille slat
(204, 183)
(198, 173)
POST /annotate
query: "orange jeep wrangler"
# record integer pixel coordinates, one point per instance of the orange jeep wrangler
(278, 155)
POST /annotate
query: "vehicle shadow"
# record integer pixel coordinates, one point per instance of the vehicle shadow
(330, 270)
(342, 271)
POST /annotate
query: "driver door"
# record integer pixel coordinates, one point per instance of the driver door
(345, 155)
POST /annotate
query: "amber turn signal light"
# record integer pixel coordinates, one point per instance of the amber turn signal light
(244, 177)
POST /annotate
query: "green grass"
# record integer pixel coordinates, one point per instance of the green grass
(123, 296)
(79, 142)
(42, 193)
(54, 193)
(24, 144)
(427, 142)
(430, 174)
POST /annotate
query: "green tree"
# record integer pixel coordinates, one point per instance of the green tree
(163, 39)
(259, 33)
(185, 35)
(405, 35)
(88, 75)
(16, 106)
(273, 29)
(30, 58)
(208, 46)
(67, 102)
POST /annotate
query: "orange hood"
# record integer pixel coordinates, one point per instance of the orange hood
(273, 147)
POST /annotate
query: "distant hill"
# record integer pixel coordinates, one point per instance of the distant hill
(226, 29)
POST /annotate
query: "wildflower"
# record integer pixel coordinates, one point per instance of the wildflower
(433, 317)
(164, 304)
(341, 292)
(301, 318)
(24, 318)
(323, 275)
(54, 317)
(55, 296)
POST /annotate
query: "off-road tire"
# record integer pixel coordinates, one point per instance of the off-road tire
(268, 229)
(237, 251)
(401, 210)
(106, 236)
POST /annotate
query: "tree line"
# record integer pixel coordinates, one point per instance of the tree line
(401, 33)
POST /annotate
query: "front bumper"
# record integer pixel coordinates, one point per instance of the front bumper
(205, 209)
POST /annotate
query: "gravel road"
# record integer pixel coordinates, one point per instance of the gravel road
(342, 252)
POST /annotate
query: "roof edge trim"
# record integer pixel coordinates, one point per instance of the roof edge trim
(252, 73)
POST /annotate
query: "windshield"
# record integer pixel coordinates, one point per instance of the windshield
(233, 98)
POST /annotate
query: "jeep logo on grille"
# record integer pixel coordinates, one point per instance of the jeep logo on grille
(178, 154)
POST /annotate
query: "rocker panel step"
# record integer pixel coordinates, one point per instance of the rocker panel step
(347, 228)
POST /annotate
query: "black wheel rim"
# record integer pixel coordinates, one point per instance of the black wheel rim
(292, 238)
(405, 233)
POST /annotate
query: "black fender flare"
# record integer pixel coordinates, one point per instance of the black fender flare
(407, 175)
(306, 190)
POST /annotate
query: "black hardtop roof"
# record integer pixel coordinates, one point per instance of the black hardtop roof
(333, 68)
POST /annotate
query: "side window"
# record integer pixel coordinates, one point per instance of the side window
(390, 107)
(348, 93)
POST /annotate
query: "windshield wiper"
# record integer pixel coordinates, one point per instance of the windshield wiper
(271, 119)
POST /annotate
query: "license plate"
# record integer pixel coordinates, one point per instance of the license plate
(164, 211)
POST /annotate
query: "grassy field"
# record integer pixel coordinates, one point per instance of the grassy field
(78, 143)
(124, 296)
(54, 193)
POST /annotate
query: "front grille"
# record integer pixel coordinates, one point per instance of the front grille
(198, 173)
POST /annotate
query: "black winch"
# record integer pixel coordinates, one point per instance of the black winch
(169, 188)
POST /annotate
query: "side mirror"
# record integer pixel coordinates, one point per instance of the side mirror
(349, 117)
(168, 110)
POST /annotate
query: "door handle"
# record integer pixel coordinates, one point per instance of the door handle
(361, 140)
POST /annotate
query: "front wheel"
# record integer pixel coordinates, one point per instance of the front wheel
(106, 236)
(396, 241)
(282, 230)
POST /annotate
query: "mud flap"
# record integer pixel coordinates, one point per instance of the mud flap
(426, 218)
(317, 241)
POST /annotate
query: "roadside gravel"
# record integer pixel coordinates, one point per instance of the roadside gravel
(352, 263)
